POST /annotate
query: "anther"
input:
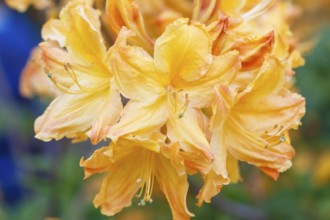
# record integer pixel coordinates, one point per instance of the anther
(142, 203)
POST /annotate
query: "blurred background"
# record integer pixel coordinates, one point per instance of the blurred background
(44, 181)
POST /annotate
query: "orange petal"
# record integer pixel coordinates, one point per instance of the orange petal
(253, 50)
(99, 162)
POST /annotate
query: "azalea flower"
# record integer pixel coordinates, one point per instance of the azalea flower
(171, 87)
(88, 103)
(203, 93)
(252, 125)
(133, 164)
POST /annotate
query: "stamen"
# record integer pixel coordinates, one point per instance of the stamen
(147, 180)
(257, 10)
(181, 114)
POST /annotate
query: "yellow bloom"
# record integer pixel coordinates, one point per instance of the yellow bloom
(133, 164)
(255, 126)
(171, 87)
(88, 104)
(252, 126)
(22, 5)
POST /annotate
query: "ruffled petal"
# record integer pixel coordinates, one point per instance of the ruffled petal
(269, 80)
(246, 146)
(185, 128)
(99, 162)
(224, 68)
(174, 184)
(83, 27)
(69, 115)
(140, 118)
(253, 50)
(183, 51)
(271, 115)
(134, 70)
(120, 186)
(54, 30)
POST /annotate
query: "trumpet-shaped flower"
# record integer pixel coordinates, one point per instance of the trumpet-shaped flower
(171, 87)
(88, 104)
(133, 165)
(252, 126)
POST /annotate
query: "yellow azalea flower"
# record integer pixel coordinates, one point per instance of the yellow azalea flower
(171, 87)
(255, 129)
(133, 164)
(22, 5)
(252, 126)
(87, 104)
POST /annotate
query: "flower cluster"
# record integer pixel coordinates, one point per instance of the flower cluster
(178, 87)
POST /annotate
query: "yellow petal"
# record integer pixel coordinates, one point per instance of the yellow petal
(140, 117)
(223, 69)
(99, 162)
(127, 13)
(213, 184)
(185, 128)
(183, 51)
(269, 80)
(262, 116)
(54, 30)
(173, 184)
(72, 114)
(120, 186)
(109, 116)
(251, 148)
(134, 70)
(253, 50)
(233, 169)
(84, 27)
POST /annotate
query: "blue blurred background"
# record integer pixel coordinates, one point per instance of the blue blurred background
(43, 180)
